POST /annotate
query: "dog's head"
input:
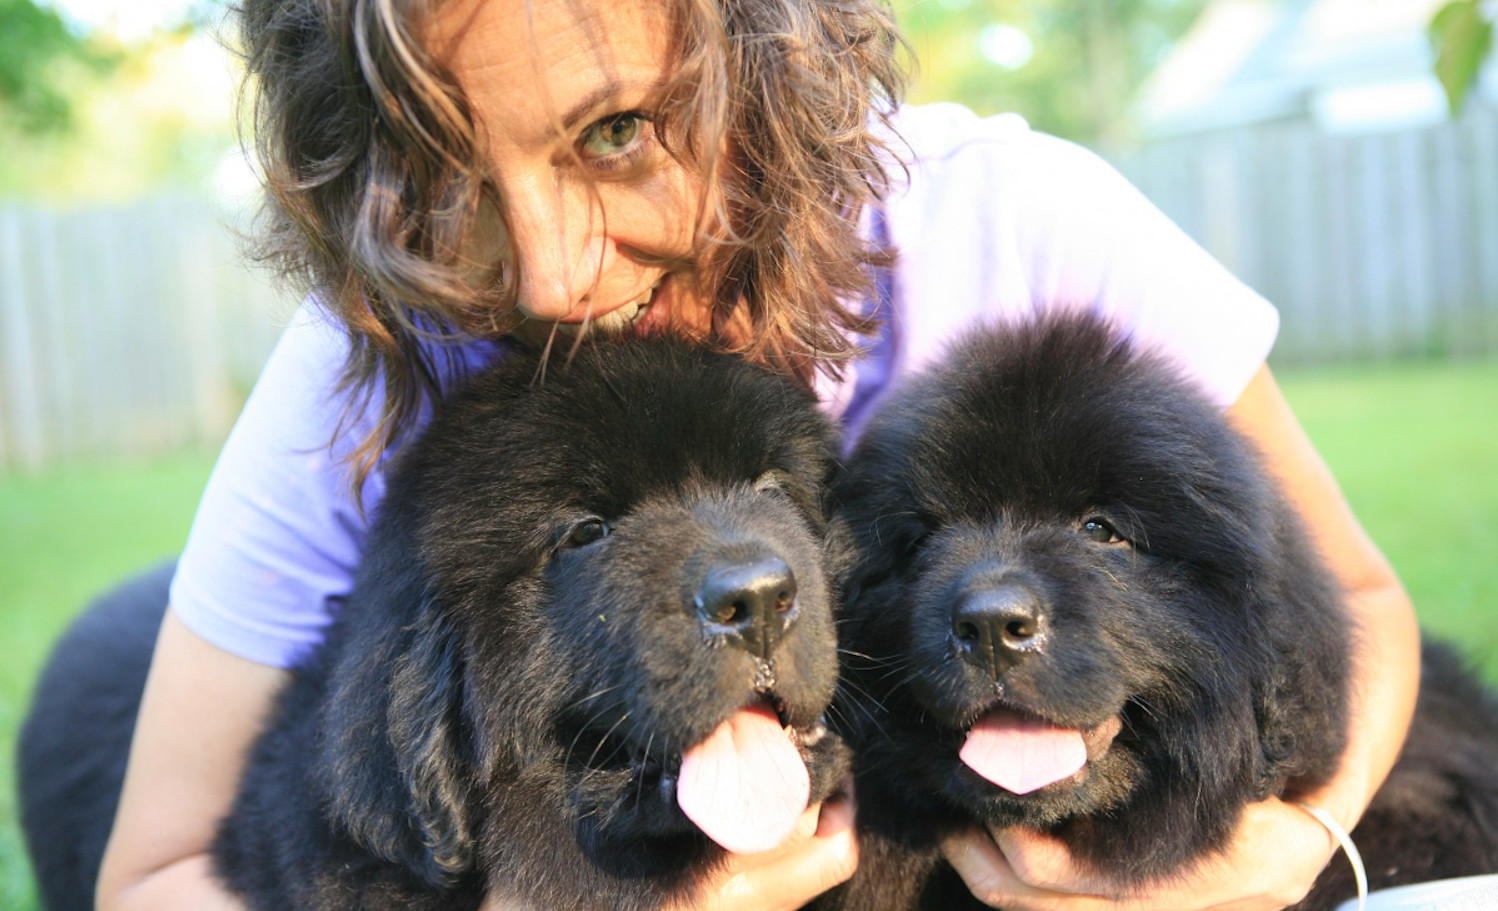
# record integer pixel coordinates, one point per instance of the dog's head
(1079, 604)
(589, 600)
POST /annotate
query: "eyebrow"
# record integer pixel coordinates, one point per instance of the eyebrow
(597, 98)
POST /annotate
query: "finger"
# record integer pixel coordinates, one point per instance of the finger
(1047, 877)
(992, 879)
(982, 866)
(793, 874)
(806, 827)
(838, 815)
(824, 835)
(829, 858)
(1043, 862)
(834, 816)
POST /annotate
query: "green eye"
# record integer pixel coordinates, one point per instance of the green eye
(611, 136)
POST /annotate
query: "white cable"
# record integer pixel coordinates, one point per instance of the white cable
(1351, 850)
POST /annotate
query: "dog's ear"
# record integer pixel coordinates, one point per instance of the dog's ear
(394, 759)
(427, 736)
(1303, 706)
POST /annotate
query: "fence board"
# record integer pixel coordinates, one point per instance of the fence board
(124, 331)
(1380, 245)
(24, 432)
(137, 329)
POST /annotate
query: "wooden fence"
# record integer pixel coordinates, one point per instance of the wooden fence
(1372, 246)
(139, 330)
(124, 331)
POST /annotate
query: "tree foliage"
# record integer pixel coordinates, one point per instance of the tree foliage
(1086, 60)
(36, 48)
(1462, 35)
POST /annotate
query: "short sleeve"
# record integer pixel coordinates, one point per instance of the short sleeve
(1090, 236)
(992, 219)
(273, 546)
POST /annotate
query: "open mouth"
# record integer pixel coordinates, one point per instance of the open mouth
(745, 785)
(631, 316)
(1022, 752)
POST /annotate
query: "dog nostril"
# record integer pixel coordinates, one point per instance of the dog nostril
(1021, 631)
(751, 602)
(731, 613)
(995, 627)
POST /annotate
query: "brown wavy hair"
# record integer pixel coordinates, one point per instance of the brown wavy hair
(371, 161)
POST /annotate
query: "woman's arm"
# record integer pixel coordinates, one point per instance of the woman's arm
(1386, 662)
(201, 710)
(1279, 849)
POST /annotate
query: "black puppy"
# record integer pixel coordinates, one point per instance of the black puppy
(1080, 605)
(591, 624)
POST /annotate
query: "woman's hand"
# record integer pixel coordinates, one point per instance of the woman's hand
(1272, 862)
(821, 853)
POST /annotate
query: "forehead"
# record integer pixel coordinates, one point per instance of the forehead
(531, 66)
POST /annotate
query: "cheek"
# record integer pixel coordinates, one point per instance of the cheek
(656, 214)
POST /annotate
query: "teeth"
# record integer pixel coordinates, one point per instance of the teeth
(613, 321)
(635, 308)
(625, 316)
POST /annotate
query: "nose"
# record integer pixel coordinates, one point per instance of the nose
(750, 603)
(995, 627)
(558, 247)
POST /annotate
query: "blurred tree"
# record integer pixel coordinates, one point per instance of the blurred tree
(121, 118)
(36, 48)
(1070, 67)
(1462, 34)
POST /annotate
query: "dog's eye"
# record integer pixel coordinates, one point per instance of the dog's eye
(1099, 530)
(587, 532)
(771, 480)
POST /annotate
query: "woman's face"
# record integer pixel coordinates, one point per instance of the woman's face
(598, 220)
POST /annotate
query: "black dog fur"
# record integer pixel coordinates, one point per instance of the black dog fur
(505, 698)
(1055, 523)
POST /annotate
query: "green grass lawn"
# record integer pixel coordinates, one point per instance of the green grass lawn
(64, 536)
(1415, 447)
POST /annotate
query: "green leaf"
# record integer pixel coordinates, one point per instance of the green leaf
(1462, 37)
(34, 43)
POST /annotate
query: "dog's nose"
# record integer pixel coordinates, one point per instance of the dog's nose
(995, 627)
(751, 603)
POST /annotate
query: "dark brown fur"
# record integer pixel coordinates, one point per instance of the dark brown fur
(504, 700)
(1162, 588)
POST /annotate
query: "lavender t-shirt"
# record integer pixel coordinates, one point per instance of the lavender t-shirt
(991, 220)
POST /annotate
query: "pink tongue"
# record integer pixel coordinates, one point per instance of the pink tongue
(1021, 753)
(745, 786)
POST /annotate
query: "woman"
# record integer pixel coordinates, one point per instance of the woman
(445, 175)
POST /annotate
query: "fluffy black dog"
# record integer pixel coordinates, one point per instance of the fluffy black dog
(1081, 606)
(578, 595)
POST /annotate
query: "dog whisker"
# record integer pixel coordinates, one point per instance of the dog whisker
(596, 694)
